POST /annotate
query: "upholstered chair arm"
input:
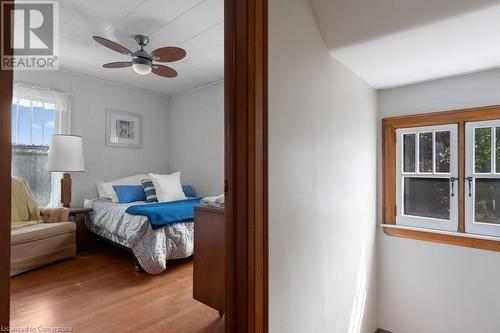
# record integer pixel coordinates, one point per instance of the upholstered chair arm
(53, 215)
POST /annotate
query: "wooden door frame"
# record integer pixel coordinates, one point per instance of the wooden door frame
(6, 81)
(246, 165)
(245, 169)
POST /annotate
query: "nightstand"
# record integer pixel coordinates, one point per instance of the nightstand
(80, 216)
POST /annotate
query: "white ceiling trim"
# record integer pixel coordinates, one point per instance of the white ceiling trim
(113, 83)
(208, 84)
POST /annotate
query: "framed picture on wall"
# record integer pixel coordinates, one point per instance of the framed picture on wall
(123, 129)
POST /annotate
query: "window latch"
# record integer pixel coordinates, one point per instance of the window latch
(470, 185)
(452, 181)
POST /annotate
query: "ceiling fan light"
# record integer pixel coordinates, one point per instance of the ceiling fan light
(142, 66)
(141, 69)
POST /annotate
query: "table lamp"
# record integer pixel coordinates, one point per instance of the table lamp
(65, 155)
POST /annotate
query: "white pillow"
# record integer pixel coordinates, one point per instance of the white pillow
(100, 190)
(168, 187)
(106, 190)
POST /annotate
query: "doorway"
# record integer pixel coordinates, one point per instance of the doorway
(245, 165)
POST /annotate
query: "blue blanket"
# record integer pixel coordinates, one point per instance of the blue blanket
(165, 213)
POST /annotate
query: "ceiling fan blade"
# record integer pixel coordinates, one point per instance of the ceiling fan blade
(168, 54)
(120, 64)
(164, 71)
(112, 45)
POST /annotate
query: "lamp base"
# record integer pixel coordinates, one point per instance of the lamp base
(66, 190)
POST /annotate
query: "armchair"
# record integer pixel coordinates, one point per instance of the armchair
(38, 236)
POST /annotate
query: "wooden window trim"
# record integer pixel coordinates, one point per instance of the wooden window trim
(389, 126)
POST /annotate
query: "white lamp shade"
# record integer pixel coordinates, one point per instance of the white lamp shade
(65, 154)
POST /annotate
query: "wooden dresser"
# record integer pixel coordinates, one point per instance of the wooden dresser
(209, 257)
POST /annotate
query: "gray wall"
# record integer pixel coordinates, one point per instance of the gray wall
(90, 100)
(196, 138)
(430, 287)
(322, 183)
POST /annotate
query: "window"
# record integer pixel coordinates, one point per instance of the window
(441, 177)
(33, 122)
(483, 178)
(37, 114)
(427, 162)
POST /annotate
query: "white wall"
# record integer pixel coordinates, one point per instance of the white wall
(429, 287)
(196, 138)
(90, 100)
(322, 183)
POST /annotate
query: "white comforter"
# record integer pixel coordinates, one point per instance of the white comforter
(152, 248)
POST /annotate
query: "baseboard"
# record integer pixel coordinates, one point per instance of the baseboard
(382, 331)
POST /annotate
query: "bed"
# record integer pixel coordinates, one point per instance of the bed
(151, 248)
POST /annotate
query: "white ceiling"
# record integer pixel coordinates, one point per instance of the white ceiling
(195, 25)
(391, 43)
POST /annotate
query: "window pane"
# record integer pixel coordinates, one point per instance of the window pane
(443, 152)
(37, 126)
(24, 125)
(482, 150)
(49, 126)
(497, 129)
(425, 152)
(30, 163)
(409, 152)
(487, 201)
(14, 122)
(427, 197)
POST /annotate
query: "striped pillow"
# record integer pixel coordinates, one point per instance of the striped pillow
(150, 190)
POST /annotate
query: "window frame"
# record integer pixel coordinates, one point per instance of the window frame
(389, 208)
(471, 226)
(426, 222)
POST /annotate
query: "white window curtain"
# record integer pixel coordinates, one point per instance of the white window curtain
(52, 99)
(30, 95)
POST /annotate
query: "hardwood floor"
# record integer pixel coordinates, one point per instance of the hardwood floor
(100, 292)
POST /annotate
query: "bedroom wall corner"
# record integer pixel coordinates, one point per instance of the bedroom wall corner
(322, 183)
(196, 138)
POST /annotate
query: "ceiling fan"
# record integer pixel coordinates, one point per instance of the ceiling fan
(142, 61)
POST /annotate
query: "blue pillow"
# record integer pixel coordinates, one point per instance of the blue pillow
(188, 191)
(129, 193)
